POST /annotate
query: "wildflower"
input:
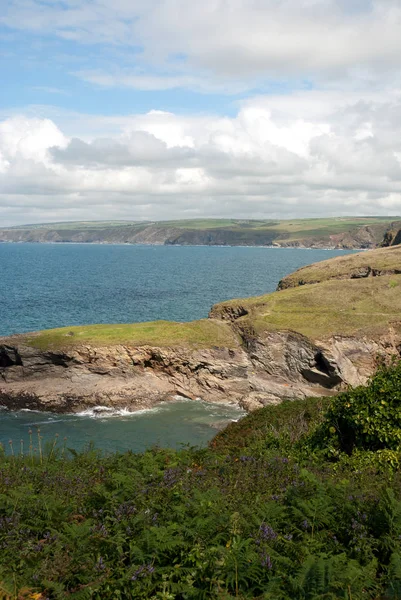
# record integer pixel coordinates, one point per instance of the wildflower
(142, 571)
(267, 533)
(266, 561)
(100, 566)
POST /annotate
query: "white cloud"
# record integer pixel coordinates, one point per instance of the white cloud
(215, 45)
(309, 154)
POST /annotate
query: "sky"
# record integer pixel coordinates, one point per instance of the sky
(167, 109)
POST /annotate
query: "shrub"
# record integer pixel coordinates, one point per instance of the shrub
(364, 418)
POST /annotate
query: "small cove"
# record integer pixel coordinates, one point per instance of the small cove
(170, 425)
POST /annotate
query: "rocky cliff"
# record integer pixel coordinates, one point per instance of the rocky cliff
(313, 233)
(326, 328)
(392, 236)
(265, 370)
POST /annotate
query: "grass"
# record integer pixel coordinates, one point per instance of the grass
(356, 307)
(80, 225)
(200, 334)
(292, 228)
(353, 307)
(386, 259)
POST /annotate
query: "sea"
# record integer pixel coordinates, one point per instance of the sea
(44, 286)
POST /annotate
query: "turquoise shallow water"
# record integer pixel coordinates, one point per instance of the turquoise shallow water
(52, 285)
(169, 425)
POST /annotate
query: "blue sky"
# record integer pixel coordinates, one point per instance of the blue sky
(41, 68)
(168, 108)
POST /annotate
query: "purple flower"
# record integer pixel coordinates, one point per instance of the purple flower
(100, 566)
(267, 533)
(305, 524)
(266, 561)
(143, 571)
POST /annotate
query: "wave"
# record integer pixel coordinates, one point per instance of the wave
(102, 412)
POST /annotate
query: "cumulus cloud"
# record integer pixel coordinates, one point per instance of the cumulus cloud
(298, 155)
(332, 147)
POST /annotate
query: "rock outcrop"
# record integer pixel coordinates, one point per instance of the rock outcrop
(265, 370)
(392, 236)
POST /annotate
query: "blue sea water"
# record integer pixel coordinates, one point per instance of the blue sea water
(52, 285)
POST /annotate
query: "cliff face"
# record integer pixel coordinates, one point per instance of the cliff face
(308, 234)
(265, 370)
(325, 329)
(392, 236)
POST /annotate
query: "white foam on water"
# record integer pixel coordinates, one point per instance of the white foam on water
(105, 412)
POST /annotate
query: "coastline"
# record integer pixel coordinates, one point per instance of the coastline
(144, 244)
(290, 344)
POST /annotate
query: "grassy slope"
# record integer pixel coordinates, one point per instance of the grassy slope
(352, 307)
(199, 334)
(387, 259)
(79, 225)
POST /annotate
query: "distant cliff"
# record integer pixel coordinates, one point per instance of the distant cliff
(392, 236)
(365, 232)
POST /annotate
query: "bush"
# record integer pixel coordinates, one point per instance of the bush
(364, 418)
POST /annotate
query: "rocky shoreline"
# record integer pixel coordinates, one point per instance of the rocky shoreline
(265, 370)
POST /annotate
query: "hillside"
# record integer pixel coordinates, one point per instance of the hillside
(303, 340)
(385, 261)
(355, 232)
(300, 501)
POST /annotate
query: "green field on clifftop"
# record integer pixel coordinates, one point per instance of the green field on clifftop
(197, 334)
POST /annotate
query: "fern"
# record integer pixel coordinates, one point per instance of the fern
(394, 578)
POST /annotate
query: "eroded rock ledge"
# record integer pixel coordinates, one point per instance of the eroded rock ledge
(265, 370)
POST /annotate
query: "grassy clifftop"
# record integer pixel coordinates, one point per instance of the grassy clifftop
(342, 297)
(351, 295)
(197, 334)
(354, 266)
(352, 307)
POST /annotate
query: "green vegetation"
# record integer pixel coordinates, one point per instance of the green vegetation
(280, 506)
(350, 307)
(78, 225)
(345, 267)
(203, 334)
(364, 420)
